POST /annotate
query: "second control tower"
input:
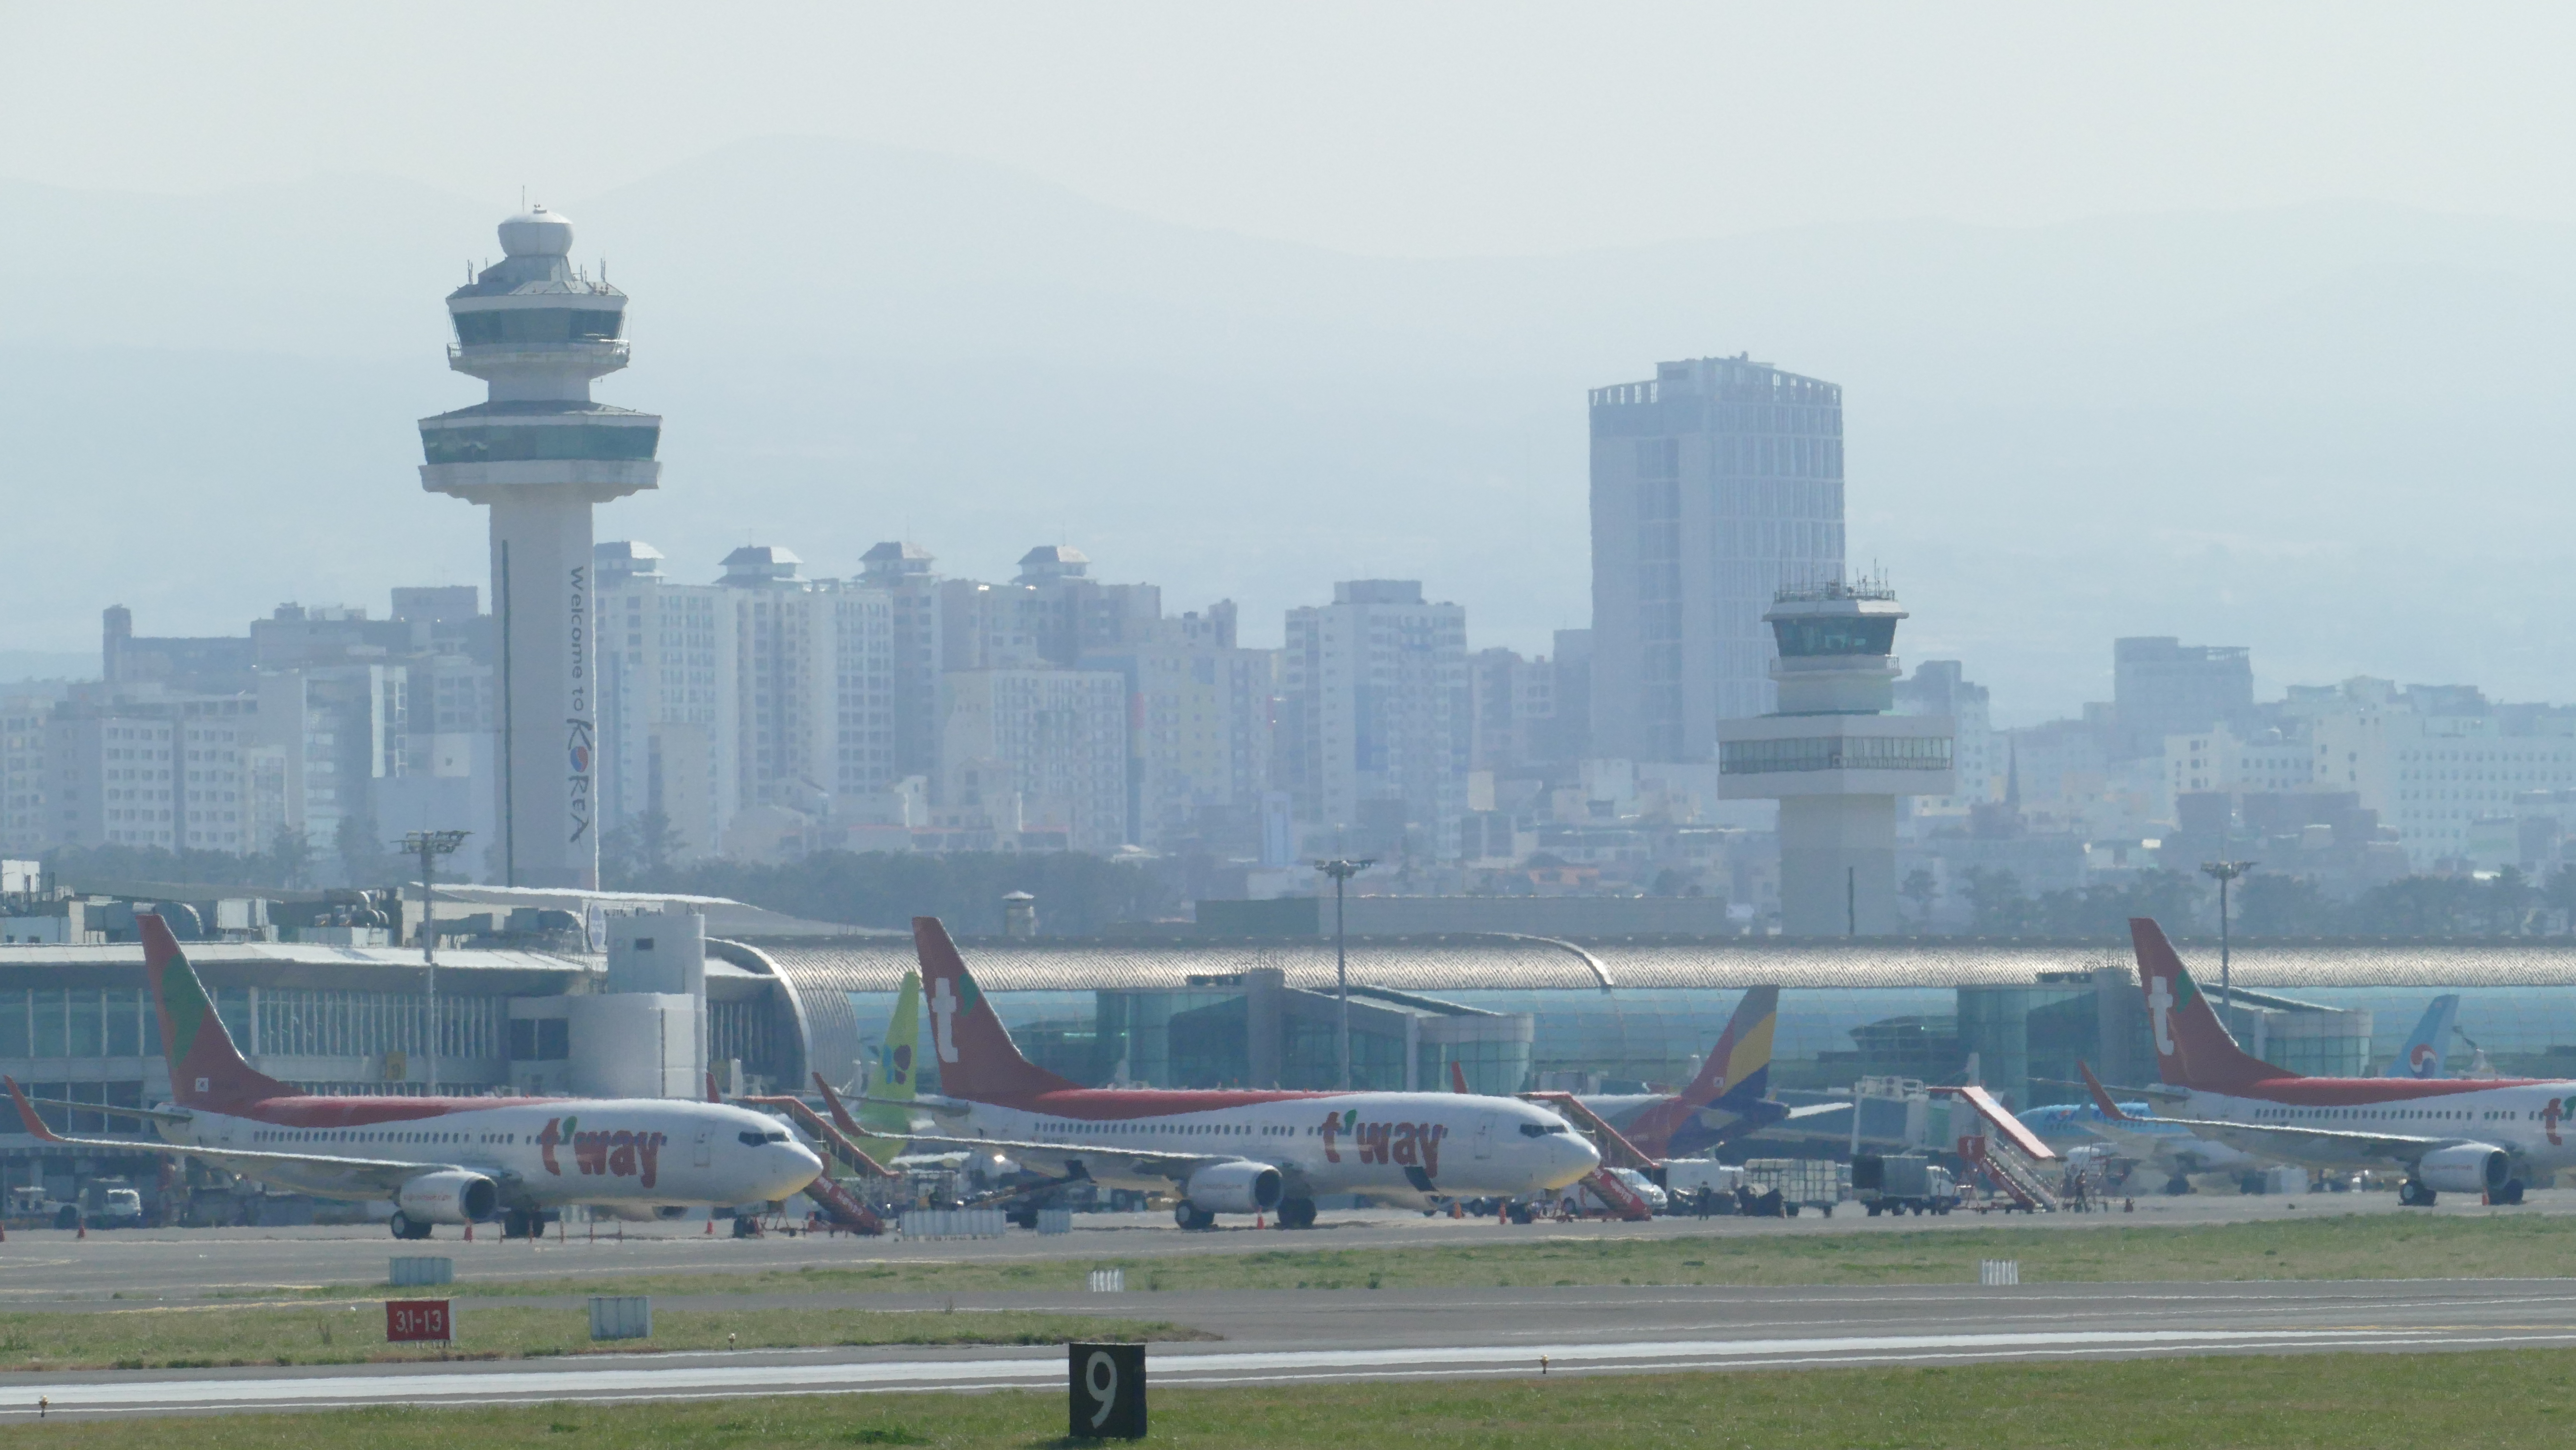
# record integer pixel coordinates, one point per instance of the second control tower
(1835, 758)
(539, 453)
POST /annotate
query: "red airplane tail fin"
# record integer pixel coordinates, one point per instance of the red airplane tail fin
(2193, 1048)
(977, 1059)
(205, 1067)
(841, 1118)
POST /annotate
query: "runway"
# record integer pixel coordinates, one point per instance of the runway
(1342, 1336)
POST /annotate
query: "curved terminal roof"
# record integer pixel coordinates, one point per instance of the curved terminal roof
(1497, 962)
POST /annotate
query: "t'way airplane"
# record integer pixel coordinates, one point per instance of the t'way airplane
(2450, 1135)
(440, 1160)
(1727, 1100)
(1226, 1150)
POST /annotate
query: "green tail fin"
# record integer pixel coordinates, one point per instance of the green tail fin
(898, 1063)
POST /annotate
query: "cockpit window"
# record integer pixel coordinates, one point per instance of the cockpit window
(1533, 1130)
(755, 1137)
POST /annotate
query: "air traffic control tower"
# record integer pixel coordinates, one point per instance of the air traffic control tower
(1835, 758)
(539, 454)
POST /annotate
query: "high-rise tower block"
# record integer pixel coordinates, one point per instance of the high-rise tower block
(540, 454)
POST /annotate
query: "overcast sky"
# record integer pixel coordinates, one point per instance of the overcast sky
(1411, 129)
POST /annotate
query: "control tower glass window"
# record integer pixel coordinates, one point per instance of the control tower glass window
(1835, 634)
(539, 325)
(507, 444)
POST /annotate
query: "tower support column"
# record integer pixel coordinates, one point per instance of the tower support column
(541, 584)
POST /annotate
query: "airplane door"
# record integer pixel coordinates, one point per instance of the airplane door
(1485, 1138)
(706, 1140)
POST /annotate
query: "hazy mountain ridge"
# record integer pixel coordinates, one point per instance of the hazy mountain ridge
(2323, 431)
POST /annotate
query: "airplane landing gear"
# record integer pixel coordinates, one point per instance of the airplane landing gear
(1190, 1216)
(2411, 1194)
(2508, 1195)
(404, 1228)
(1296, 1213)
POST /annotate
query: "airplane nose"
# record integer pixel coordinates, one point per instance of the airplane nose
(1571, 1159)
(797, 1166)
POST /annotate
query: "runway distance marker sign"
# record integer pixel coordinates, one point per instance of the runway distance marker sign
(418, 1321)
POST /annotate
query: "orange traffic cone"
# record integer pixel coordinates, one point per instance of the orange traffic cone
(469, 1233)
(711, 1226)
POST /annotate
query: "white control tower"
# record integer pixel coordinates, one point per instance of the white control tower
(1834, 757)
(539, 453)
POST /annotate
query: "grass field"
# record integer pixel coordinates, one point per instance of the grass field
(2497, 1401)
(225, 1335)
(2307, 1246)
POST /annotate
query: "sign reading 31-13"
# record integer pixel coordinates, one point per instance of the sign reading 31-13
(418, 1321)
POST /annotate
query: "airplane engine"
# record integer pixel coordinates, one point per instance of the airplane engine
(450, 1195)
(2464, 1168)
(1239, 1187)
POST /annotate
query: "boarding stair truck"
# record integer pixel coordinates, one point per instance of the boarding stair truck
(1616, 1152)
(841, 1205)
(1817, 1183)
(1997, 1146)
(1899, 1183)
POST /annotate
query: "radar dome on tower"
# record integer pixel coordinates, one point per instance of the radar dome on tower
(537, 232)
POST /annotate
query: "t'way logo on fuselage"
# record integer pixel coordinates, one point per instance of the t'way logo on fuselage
(1405, 1145)
(613, 1153)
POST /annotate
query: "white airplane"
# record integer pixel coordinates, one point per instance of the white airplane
(1226, 1151)
(2158, 1144)
(439, 1160)
(2451, 1135)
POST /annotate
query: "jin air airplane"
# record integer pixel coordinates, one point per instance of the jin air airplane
(2450, 1135)
(438, 1160)
(1229, 1150)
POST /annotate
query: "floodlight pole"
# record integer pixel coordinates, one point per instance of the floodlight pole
(1341, 870)
(2224, 872)
(429, 846)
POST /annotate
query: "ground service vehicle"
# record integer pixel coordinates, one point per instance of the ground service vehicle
(1902, 1183)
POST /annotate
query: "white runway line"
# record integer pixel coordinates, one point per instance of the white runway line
(701, 1380)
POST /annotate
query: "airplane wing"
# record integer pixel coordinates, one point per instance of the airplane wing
(1140, 1161)
(303, 1168)
(155, 1115)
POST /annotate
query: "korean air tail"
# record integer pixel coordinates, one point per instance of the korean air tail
(206, 1070)
(977, 1059)
(2193, 1048)
(2422, 1054)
